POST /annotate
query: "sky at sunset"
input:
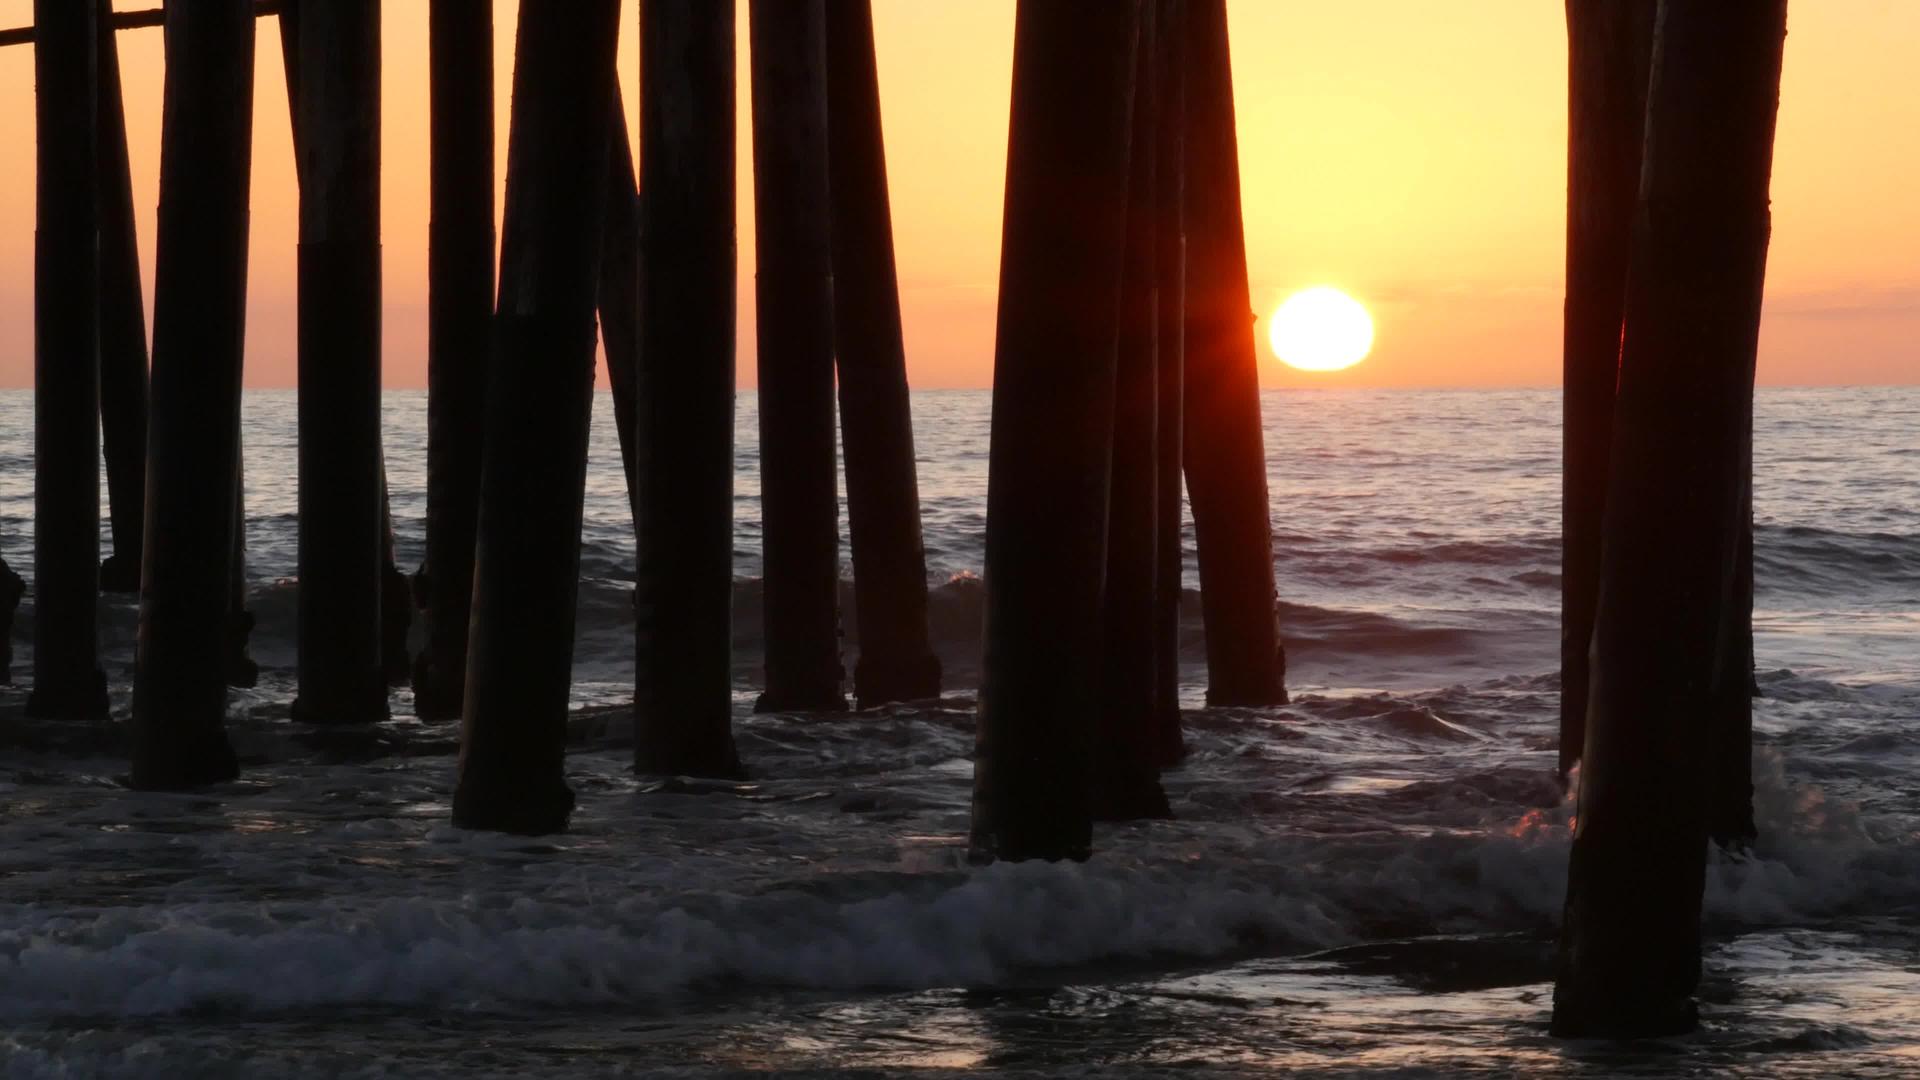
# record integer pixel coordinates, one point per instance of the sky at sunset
(1409, 152)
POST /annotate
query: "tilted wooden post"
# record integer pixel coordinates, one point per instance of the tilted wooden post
(526, 572)
(1226, 461)
(1609, 54)
(1630, 946)
(876, 417)
(123, 327)
(1126, 747)
(68, 682)
(1063, 245)
(683, 461)
(620, 290)
(1170, 283)
(188, 596)
(793, 296)
(337, 102)
(460, 253)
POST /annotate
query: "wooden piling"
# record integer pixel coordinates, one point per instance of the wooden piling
(1063, 245)
(12, 588)
(1226, 461)
(241, 670)
(896, 662)
(793, 298)
(1126, 746)
(620, 290)
(337, 102)
(68, 682)
(1609, 57)
(123, 326)
(684, 451)
(1730, 820)
(460, 254)
(1171, 293)
(199, 319)
(1630, 945)
(539, 401)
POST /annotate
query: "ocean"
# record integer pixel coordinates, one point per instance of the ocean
(1364, 882)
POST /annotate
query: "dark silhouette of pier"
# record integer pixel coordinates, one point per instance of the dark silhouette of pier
(1124, 372)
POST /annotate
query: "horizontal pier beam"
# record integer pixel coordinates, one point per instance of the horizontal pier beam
(131, 20)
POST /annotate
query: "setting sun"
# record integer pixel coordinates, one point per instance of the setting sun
(1320, 329)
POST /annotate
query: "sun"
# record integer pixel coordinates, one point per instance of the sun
(1320, 329)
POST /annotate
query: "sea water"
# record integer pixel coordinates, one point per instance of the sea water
(1365, 881)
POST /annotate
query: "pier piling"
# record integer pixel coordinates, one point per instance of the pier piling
(460, 254)
(619, 302)
(123, 327)
(187, 597)
(1063, 246)
(539, 402)
(1226, 461)
(336, 101)
(1630, 943)
(68, 682)
(896, 662)
(1610, 54)
(793, 299)
(683, 450)
(1170, 284)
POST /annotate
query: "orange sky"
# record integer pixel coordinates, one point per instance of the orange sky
(1412, 153)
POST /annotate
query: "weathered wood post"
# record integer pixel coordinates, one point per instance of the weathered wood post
(539, 401)
(1170, 282)
(67, 679)
(199, 327)
(793, 297)
(12, 588)
(1226, 460)
(460, 253)
(1730, 819)
(1609, 55)
(876, 417)
(1064, 241)
(683, 704)
(337, 102)
(620, 290)
(1630, 945)
(1126, 747)
(123, 327)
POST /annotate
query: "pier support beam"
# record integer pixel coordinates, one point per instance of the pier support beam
(793, 296)
(1063, 245)
(539, 402)
(876, 417)
(1609, 56)
(123, 327)
(1170, 255)
(683, 701)
(460, 253)
(68, 682)
(199, 319)
(1630, 944)
(620, 291)
(1126, 773)
(337, 105)
(1226, 460)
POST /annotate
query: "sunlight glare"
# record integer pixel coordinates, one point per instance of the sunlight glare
(1321, 329)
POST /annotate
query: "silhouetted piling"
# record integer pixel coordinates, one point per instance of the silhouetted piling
(1063, 245)
(1730, 821)
(1126, 748)
(1630, 946)
(1610, 52)
(199, 326)
(460, 252)
(620, 290)
(1170, 283)
(539, 400)
(123, 327)
(876, 417)
(337, 102)
(684, 451)
(793, 297)
(12, 588)
(1226, 461)
(67, 680)
(241, 669)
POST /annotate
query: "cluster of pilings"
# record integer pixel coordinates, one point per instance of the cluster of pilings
(1670, 155)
